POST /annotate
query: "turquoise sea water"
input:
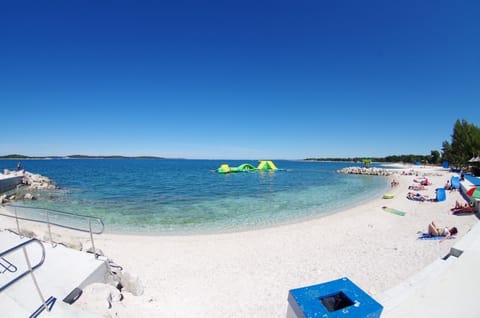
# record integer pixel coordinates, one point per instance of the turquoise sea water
(188, 196)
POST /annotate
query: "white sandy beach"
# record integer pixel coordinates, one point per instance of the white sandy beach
(249, 274)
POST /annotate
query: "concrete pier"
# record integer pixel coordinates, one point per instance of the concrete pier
(63, 271)
(9, 182)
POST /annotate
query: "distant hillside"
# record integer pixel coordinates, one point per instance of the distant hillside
(16, 156)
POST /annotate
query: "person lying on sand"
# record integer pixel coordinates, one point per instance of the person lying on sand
(446, 232)
(463, 208)
(459, 205)
(417, 187)
(416, 196)
(424, 181)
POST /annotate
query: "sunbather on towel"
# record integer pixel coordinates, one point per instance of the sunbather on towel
(446, 232)
(416, 196)
(417, 187)
(425, 182)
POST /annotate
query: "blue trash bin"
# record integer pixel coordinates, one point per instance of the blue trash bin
(441, 196)
(334, 299)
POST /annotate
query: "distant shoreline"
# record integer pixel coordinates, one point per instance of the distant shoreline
(388, 160)
(20, 157)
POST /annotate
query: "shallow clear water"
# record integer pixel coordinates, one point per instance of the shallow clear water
(188, 196)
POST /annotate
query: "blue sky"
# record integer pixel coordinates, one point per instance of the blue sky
(236, 79)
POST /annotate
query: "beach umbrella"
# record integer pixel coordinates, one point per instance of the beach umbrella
(470, 191)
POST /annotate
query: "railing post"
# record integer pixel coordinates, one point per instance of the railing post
(91, 238)
(34, 279)
(49, 229)
(18, 224)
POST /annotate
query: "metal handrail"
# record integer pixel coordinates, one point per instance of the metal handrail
(31, 268)
(9, 267)
(57, 212)
(87, 217)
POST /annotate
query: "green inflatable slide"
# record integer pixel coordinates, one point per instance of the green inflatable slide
(246, 167)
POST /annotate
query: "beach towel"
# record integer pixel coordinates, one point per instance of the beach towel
(393, 211)
(427, 236)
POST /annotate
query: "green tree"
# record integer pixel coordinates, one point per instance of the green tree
(434, 157)
(465, 144)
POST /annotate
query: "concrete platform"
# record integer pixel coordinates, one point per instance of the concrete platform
(9, 182)
(446, 288)
(63, 270)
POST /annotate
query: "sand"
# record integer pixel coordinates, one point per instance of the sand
(249, 274)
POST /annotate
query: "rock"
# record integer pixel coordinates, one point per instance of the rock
(99, 298)
(73, 244)
(37, 182)
(28, 196)
(131, 283)
(98, 251)
(55, 237)
(365, 171)
(25, 233)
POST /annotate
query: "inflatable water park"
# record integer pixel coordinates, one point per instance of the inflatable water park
(264, 165)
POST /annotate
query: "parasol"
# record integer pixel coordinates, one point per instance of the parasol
(471, 191)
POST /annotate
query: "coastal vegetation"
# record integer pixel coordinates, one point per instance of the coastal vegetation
(464, 146)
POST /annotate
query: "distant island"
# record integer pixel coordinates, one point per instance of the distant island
(434, 158)
(23, 157)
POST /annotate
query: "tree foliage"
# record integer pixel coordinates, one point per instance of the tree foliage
(465, 144)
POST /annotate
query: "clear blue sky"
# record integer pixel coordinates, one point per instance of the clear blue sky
(236, 79)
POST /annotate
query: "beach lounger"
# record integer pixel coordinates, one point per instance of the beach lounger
(464, 210)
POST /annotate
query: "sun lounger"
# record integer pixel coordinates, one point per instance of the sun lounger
(464, 210)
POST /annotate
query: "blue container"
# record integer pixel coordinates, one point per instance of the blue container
(441, 196)
(455, 182)
(337, 298)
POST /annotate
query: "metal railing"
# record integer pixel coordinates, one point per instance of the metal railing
(29, 270)
(49, 214)
(7, 266)
(30, 267)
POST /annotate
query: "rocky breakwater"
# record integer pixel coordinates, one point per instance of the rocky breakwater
(31, 183)
(373, 171)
